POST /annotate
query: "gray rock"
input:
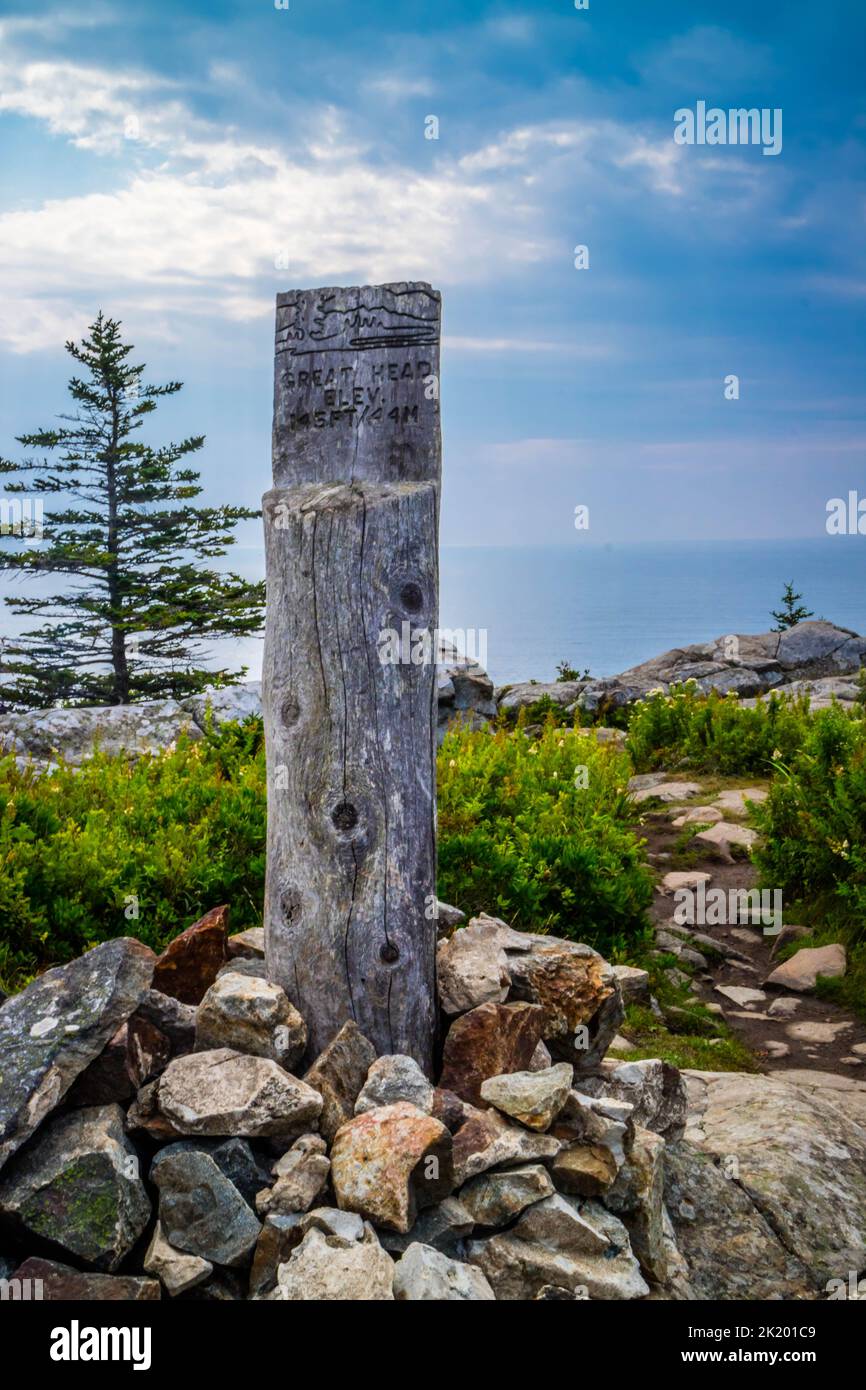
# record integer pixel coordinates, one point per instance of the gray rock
(803, 970)
(560, 1241)
(301, 1175)
(250, 966)
(394, 1078)
(448, 917)
(329, 1268)
(280, 1235)
(798, 1158)
(200, 1211)
(487, 1140)
(533, 1098)
(78, 1185)
(228, 1093)
(425, 1275)
(495, 1198)
(442, 1226)
(237, 1162)
(177, 1271)
(253, 1016)
(338, 1074)
(472, 968)
(655, 1089)
(53, 1029)
(172, 1017)
(520, 696)
(730, 1250)
(633, 983)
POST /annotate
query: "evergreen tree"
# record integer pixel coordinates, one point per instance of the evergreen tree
(141, 601)
(790, 614)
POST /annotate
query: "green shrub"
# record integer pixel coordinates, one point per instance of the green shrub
(173, 834)
(814, 822)
(168, 836)
(518, 837)
(715, 733)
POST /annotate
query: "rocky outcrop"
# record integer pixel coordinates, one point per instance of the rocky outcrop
(465, 693)
(813, 658)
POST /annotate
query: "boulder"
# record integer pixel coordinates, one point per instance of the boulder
(442, 1226)
(487, 1140)
(62, 1284)
(735, 803)
(595, 1133)
(338, 1074)
(53, 1030)
(680, 879)
(698, 815)
(250, 1015)
(392, 1079)
(472, 968)
(637, 1198)
(237, 1162)
(524, 694)
(78, 1185)
(280, 1235)
(654, 1089)
(730, 1249)
(802, 971)
(724, 834)
(496, 1198)
(633, 983)
(578, 992)
(741, 995)
(425, 1275)
(176, 1270)
(329, 1268)
(487, 1041)
(229, 1093)
(797, 1157)
(576, 1246)
(200, 1211)
(188, 966)
(533, 1098)
(388, 1162)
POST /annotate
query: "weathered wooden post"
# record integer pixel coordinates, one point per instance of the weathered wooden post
(351, 531)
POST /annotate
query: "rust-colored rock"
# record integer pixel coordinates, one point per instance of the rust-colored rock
(577, 989)
(487, 1041)
(188, 966)
(388, 1162)
(62, 1284)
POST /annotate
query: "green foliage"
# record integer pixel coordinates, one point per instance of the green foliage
(715, 733)
(814, 821)
(792, 611)
(140, 598)
(184, 830)
(565, 672)
(519, 838)
(179, 832)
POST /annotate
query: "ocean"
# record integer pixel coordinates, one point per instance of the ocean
(608, 607)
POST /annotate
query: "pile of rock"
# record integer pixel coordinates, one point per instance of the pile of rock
(157, 1138)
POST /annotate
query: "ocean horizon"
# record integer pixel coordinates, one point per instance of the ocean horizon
(608, 607)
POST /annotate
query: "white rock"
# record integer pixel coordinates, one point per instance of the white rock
(425, 1275)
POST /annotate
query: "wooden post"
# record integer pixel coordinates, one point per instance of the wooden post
(351, 535)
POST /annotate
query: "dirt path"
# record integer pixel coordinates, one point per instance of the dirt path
(780, 1043)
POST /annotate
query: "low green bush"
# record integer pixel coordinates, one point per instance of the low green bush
(170, 835)
(814, 822)
(520, 836)
(715, 733)
(129, 847)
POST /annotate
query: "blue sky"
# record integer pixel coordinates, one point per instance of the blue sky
(160, 160)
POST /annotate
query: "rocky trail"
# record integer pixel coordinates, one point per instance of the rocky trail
(733, 954)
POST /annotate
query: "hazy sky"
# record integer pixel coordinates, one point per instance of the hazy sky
(176, 164)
